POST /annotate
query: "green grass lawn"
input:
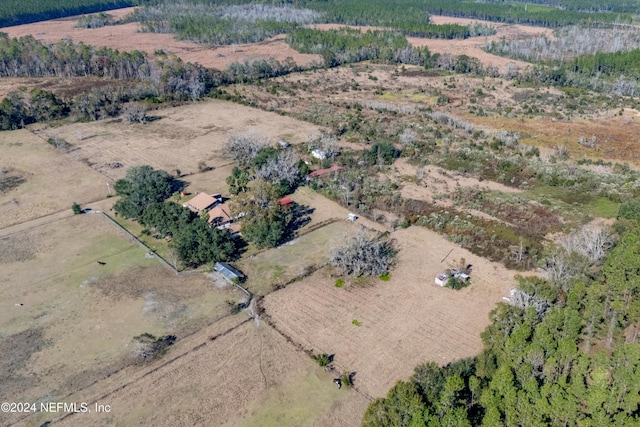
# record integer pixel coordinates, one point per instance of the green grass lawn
(279, 265)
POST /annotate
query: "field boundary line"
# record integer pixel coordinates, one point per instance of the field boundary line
(153, 370)
(308, 351)
(144, 246)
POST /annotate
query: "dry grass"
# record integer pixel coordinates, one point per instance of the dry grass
(247, 376)
(128, 37)
(77, 317)
(179, 138)
(52, 181)
(405, 321)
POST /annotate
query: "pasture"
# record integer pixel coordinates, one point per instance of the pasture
(177, 138)
(404, 321)
(67, 321)
(36, 179)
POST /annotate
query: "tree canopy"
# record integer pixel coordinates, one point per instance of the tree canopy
(142, 186)
(559, 357)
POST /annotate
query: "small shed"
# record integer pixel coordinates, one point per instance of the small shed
(227, 271)
(284, 144)
(441, 279)
(352, 217)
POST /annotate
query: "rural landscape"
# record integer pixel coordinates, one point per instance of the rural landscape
(319, 213)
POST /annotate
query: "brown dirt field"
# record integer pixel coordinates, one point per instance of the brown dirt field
(176, 138)
(406, 321)
(247, 376)
(51, 181)
(128, 37)
(77, 317)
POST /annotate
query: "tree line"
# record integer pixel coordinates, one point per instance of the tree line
(135, 78)
(562, 352)
(16, 12)
(347, 45)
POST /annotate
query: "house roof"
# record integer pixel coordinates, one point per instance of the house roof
(320, 172)
(220, 214)
(200, 202)
(285, 201)
(227, 271)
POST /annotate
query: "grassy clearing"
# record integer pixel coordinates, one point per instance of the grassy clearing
(79, 295)
(573, 203)
(298, 403)
(279, 265)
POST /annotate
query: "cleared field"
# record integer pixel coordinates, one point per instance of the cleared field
(66, 320)
(128, 37)
(247, 376)
(176, 138)
(37, 180)
(404, 322)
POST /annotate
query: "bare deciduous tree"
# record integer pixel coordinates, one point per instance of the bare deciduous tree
(244, 146)
(135, 113)
(590, 241)
(364, 254)
(326, 143)
(282, 168)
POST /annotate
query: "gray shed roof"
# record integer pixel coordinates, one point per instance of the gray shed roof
(227, 271)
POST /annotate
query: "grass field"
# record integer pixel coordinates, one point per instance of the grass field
(45, 180)
(398, 323)
(66, 320)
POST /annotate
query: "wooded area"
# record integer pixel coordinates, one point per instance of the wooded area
(16, 12)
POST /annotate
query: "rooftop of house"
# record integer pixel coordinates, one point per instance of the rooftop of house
(202, 202)
(320, 172)
(220, 214)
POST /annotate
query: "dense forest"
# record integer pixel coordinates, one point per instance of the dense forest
(16, 12)
(563, 352)
(346, 45)
(621, 6)
(221, 23)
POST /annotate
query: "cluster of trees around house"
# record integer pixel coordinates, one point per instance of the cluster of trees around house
(16, 12)
(348, 45)
(562, 353)
(144, 192)
(273, 173)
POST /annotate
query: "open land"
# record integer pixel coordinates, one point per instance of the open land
(175, 138)
(39, 180)
(129, 37)
(68, 321)
(405, 321)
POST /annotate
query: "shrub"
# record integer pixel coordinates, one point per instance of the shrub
(457, 283)
(339, 283)
(76, 209)
(148, 347)
(322, 359)
(630, 210)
